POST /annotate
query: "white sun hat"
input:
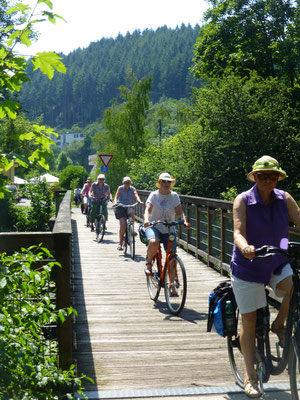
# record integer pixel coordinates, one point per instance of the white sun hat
(165, 177)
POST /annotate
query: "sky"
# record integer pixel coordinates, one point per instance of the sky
(90, 20)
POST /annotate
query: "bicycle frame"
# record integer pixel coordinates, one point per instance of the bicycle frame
(166, 264)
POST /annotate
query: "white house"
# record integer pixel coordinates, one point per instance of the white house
(64, 139)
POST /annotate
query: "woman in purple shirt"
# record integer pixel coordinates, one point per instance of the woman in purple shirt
(261, 216)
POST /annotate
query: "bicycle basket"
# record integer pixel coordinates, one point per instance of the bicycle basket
(142, 235)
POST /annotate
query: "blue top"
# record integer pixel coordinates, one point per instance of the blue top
(266, 224)
(126, 197)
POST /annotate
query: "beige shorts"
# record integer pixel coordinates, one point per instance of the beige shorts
(251, 296)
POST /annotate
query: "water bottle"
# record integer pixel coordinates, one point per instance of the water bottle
(229, 317)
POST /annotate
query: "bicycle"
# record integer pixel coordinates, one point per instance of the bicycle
(171, 275)
(100, 222)
(87, 215)
(270, 360)
(129, 236)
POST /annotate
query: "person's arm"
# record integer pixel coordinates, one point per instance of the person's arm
(147, 214)
(91, 192)
(180, 214)
(293, 210)
(82, 190)
(239, 228)
(135, 193)
(117, 196)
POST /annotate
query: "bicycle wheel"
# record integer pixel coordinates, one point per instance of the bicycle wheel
(131, 240)
(236, 358)
(153, 281)
(294, 350)
(125, 240)
(88, 216)
(175, 285)
(100, 224)
(294, 371)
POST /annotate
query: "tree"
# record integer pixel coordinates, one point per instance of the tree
(250, 35)
(125, 125)
(13, 73)
(72, 173)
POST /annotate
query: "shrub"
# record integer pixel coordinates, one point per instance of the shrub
(28, 360)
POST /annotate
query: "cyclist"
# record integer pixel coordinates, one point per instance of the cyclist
(261, 216)
(85, 193)
(161, 205)
(77, 195)
(98, 192)
(125, 194)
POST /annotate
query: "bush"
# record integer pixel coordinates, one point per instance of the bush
(28, 360)
(70, 174)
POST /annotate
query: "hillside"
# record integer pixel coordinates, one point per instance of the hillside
(95, 73)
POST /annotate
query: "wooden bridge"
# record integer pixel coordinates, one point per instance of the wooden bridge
(133, 347)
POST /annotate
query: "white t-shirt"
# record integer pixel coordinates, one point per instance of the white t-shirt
(163, 208)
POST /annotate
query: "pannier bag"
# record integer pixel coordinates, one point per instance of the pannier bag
(222, 310)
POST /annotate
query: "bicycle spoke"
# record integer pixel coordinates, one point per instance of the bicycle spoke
(153, 282)
(175, 285)
(131, 240)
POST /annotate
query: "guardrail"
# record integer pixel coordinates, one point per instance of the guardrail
(59, 244)
(211, 233)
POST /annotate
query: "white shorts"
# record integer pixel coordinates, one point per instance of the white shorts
(250, 296)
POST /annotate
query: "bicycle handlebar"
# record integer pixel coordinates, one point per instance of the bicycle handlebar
(166, 223)
(269, 251)
(126, 206)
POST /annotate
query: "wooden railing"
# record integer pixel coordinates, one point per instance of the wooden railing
(211, 233)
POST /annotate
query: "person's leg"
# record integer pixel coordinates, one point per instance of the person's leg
(105, 213)
(93, 214)
(153, 245)
(285, 287)
(247, 341)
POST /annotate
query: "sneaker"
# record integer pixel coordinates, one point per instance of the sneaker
(251, 387)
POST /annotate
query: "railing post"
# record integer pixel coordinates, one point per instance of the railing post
(197, 231)
(62, 240)
(208, 235)
(222, 253)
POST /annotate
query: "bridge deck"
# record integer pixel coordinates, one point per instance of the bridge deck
(123, 340)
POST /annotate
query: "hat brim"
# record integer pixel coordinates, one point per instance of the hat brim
(171, 181)
(282, 174)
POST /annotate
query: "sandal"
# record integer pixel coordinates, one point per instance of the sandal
(173, 291)
(119, 247)
(280, 332)
(148, 269)
(251, 387)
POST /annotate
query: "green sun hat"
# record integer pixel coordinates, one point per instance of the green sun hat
(266, 163)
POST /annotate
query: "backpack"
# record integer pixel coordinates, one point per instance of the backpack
(216, 310)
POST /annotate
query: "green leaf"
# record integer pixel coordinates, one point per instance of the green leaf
(3, 283)
(47, 62)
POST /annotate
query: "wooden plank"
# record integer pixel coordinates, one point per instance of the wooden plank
(123, 339)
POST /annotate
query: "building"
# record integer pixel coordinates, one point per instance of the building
(64, 139)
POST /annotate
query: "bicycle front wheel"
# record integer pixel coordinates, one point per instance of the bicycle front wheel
(236, 358)
(175, 285)
(153, 281)
(294, 372)
(131, 240)
(125, 241)
(100, 224)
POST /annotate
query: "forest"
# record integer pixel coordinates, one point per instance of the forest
(203, 107)
(94, 74)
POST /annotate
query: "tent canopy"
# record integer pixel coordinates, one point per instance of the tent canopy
(49, 178)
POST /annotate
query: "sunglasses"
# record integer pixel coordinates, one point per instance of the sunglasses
(163, 181)
(126, 182)
(100, 179)
(262, 176)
